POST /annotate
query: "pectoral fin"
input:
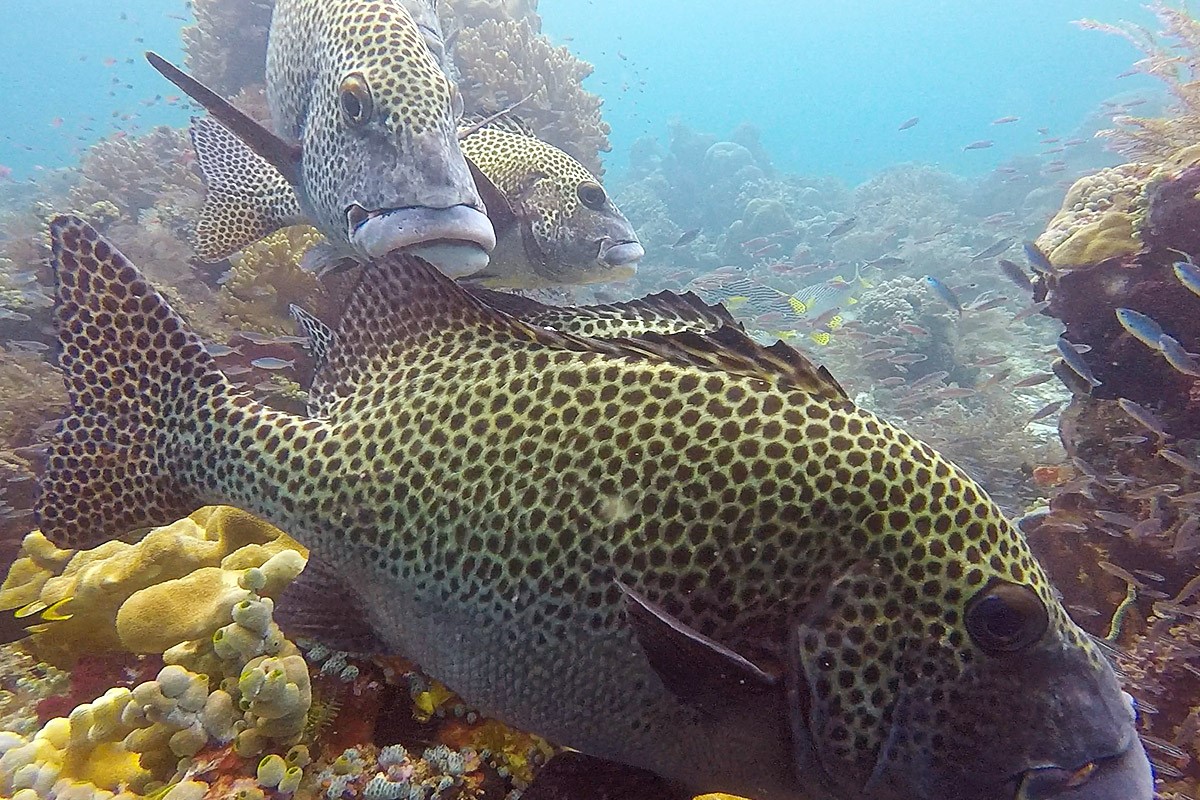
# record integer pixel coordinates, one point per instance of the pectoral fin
(693, 667)
(283, 156)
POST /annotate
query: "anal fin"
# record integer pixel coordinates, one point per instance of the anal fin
(321, 605)
(575, 776)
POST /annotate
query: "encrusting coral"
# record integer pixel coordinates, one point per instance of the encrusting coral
(1100, 217)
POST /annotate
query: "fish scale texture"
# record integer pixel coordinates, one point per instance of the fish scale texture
(493, 481)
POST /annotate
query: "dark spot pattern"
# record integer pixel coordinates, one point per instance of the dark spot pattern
(478, 459)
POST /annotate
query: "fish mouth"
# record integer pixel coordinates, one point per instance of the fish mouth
(1125, 776)
(623, 253)
(456, 240)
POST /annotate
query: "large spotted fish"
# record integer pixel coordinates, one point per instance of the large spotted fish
(365, 143)
(685, 553)
(554, 222)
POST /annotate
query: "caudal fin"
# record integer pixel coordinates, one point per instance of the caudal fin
(247, 198)
(135, 373)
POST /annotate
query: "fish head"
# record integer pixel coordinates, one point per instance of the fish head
(571, 230)
(941, 666)
(382, 169)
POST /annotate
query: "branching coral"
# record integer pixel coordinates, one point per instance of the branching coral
(227, 47)
(266, 278)
(134, 173)
(1173, 56)
(502, 62)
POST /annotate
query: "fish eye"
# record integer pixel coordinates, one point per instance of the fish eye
(354, 95)
(591, 194)
(1006, 617)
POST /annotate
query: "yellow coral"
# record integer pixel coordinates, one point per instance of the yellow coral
(266, 279)
(1110, 236)
(1100, 217)
(101, 580)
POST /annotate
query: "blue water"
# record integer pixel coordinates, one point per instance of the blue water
(826, 83)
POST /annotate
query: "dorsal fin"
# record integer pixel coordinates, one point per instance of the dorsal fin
(504, 121)
(320, 340)
(402, 305)
(664, 312)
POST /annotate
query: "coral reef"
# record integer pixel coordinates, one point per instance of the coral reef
(226, 48)
(1173, 56)
(1100, 218)
(176, 583)
(500, 62)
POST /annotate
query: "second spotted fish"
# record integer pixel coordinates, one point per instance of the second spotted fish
(554, 222)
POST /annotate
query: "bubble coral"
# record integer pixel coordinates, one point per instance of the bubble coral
(501, 62)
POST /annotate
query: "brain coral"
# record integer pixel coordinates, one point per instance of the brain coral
(1099, 218)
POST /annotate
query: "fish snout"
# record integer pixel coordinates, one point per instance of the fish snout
(456, 239)
(623, 253)
(1125, 776)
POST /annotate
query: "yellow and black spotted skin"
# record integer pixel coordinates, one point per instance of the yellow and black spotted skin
(246, 198)
(562, 212)
(497, 494)
(355, 84)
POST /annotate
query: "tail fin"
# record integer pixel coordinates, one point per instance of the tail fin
(247, 197)
(134, 373)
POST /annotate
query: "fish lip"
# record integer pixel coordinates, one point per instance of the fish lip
(456, 240)
(1123, 776)
(620, 253)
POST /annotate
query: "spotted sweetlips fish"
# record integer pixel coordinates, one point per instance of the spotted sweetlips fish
(555, 224)
(365, 143)
(687, 553)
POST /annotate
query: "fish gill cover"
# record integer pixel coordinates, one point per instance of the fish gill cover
(156, 666)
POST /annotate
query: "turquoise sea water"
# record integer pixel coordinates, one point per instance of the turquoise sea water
(826, 83)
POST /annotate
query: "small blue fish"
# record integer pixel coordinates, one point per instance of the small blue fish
(1177, 356)
(1189, 275)
(1143, 416)
(944, 293)
(1038, 260)
(1140, 327)
(1074, 360)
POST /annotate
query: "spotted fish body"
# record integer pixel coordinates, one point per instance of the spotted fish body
(564, 228)
(686, 553)
(358, 95)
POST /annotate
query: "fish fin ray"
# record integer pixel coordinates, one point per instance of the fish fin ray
(501, 213)
(321, 605)
(283, 156)
(247, 197)
(123, 348)
(402, 303)
(664, 312)
(320, 339)
(694, 668)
